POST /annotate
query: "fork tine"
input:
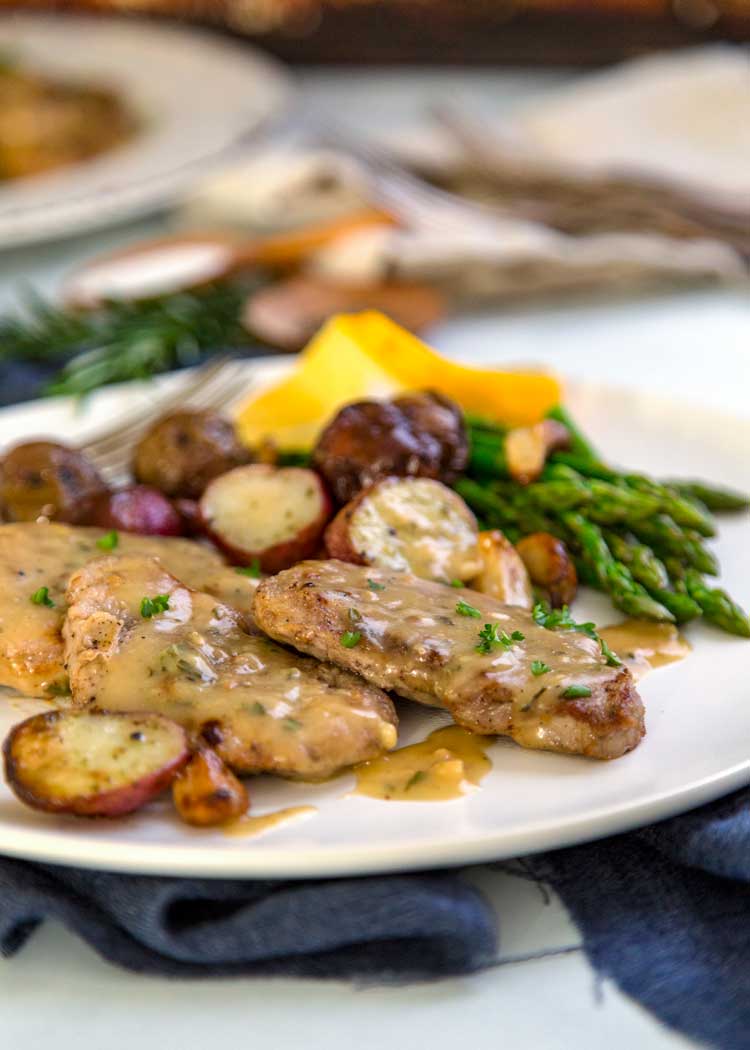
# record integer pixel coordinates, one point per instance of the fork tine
(113, 460)
(119, 431)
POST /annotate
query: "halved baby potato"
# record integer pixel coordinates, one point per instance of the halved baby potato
(93, 763)
(415, 525)
(274, 516)
(206, 792)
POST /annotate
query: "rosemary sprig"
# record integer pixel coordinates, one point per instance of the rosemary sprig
(123, 341)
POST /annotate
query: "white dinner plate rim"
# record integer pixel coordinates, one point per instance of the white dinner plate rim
(53, 846)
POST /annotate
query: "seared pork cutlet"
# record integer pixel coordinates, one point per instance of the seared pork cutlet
(136, 639)
(490, 665)
(37, 556)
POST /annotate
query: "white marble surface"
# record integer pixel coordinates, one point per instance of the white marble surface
(692, 346)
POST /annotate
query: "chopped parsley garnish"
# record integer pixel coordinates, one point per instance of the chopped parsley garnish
(41, 597)
(415, 779)
(350, 638)
(252, 570)
(375, 586)
(613, 660)
(464, 609)
(292, 724)
(151, 606)
(457, 583)
(551, 619)
(489, 637)
(108, 541)
(258, 708)
(575, 691)
(539, 667)
(355, 615)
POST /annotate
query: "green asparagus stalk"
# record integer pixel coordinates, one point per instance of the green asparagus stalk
(713, 497)
(684, 511)
(717, 606)
(611, 575)
(579, 444)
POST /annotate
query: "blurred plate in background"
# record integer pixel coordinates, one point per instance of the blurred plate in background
(198, 99)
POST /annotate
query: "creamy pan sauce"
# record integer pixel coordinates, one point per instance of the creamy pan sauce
(44, 555)
(249, 825)
(438, 768)
(260, 706)
(645, 645)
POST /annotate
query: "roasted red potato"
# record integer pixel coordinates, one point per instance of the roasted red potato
(93, 763)
(527, 448)
(274, 516)
(550, 567)
(413, 525)
(206, 793)
(185, 450)
(45, 479)
(503, 574)
(138, 509)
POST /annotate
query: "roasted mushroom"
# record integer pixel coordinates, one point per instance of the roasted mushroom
(419, 436)
(550, 567)
(185, 450)
(45, 479)
(434, 414)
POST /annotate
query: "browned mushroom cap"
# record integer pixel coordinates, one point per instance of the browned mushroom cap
(369, 440)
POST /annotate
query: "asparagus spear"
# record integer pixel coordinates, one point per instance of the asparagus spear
(579, 444)
(712, 496)
(685, 512)
(611, 575)
(717, 606)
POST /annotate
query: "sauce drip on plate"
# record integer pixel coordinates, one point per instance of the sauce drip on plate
(247, 825)
(645, 645)
(436, 769)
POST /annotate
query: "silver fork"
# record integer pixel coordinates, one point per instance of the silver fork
(211, 387)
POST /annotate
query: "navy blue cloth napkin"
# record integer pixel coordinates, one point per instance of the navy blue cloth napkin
(665, 912)
(380, 928)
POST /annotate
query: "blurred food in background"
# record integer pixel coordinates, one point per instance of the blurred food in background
(47, 122)
(538, 32)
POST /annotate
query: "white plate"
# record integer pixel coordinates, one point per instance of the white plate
(698, 714)
(200, 98)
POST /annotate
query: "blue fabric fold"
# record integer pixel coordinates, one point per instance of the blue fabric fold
(399, 927)
(665, 913)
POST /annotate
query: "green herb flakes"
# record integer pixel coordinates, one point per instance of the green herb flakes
(252, 570)
(464, 609)
(539, 667)
(350, 638)
(151, 606)
(573, 692)
(41, 597)
(108, 541)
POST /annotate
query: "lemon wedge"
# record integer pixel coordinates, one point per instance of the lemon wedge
(366, 355)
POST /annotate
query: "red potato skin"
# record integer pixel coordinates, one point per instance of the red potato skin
(109, 804)
(190, 516)
(271, 560)
(337, 536)
(139, 509)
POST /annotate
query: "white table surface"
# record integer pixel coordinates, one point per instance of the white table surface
(542, 994)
